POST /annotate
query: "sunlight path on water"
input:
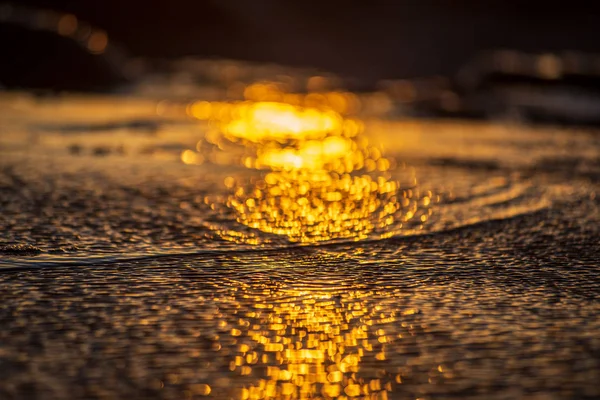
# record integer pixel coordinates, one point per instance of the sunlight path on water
(131, 177)
(286, 246)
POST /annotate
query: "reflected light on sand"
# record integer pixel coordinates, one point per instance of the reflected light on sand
(324, 179)
(310, 344)
(316, 206)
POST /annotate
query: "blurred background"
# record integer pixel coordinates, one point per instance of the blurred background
(369, 41)
(492, 47)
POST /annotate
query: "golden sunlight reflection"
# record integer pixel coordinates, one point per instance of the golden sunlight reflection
(272, 121)
(323, 179)
(315, 344)
(316, 206)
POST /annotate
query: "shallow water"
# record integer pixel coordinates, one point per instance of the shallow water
(128, 273)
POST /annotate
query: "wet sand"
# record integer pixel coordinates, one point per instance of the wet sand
(126, 273)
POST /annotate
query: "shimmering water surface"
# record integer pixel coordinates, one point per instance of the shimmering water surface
(292, 248)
